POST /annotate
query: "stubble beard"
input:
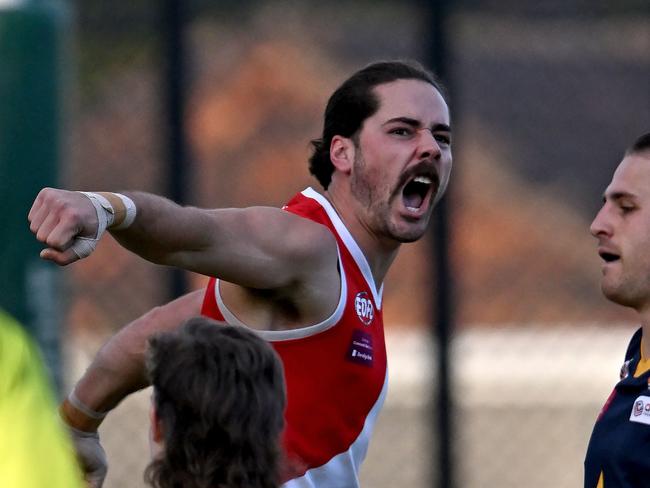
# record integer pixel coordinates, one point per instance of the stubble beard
(378, 211)
(361, 189)
(626, 292)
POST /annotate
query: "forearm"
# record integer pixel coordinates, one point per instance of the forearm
(163, 231)
(70, 223)
(117, 371)
(119, 367)
(255, 247)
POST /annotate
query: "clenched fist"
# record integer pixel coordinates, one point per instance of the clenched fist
(67, 222)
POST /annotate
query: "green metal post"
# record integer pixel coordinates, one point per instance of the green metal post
(33, 65)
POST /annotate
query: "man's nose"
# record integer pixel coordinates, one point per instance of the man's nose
(601, 225)
(427, 145)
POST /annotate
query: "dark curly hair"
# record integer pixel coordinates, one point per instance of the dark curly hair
(219, 395)
(353, 102)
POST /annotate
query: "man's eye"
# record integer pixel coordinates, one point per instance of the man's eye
(627, 208)
(401, 131)
(443, 138)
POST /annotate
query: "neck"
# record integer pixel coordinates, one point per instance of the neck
(379, 253)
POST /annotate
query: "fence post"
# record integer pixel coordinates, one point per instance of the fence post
(442, 318)
(174, 54)
(33, 69)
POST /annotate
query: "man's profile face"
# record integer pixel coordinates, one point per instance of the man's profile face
(622, 228)
(403, 159)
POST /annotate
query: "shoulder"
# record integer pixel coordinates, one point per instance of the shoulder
(294, 233)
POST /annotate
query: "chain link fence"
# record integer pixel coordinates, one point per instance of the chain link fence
(545, 98)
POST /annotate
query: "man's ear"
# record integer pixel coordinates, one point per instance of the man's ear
(342, 153)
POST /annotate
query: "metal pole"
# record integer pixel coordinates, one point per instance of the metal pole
(175, 72)
(442, 317)
(34, 74)
(443, 326)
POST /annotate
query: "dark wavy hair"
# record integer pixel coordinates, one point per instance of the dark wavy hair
(219, 394)
(353, 102)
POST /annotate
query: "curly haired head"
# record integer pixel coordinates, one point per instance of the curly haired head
(219, 398)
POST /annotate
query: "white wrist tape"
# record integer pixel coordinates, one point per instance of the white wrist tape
(79, 405)
(104, 209)
(84, 246)
(131, 212)
(115, 210)
(108, 217)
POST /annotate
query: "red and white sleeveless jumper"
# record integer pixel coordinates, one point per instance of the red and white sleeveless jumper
(336, 372)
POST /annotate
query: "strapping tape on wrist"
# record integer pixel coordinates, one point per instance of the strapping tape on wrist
(114, 211)
(79, 416)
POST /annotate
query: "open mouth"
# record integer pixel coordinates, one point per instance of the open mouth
(418, 191)
(609, 257)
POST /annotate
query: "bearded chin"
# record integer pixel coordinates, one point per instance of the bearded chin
(408, 235)
(408, 239)
(619, 295)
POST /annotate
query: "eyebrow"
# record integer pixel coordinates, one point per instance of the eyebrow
(416, 123)
(618, 195)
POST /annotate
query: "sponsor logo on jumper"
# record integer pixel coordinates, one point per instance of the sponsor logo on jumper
(641, 410)
(360, 350)
(364, 307)
(638, 408)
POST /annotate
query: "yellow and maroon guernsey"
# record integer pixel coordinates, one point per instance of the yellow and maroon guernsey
(335, 371)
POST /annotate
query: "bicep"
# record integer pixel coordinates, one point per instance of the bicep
(261, 247)
(255, 247)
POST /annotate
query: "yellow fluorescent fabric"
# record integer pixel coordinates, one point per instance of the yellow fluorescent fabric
(35, 451)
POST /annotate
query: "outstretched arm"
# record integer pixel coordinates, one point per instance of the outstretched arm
(256, 247)
(117, 371)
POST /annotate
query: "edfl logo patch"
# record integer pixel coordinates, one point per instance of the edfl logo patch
(364, 307)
